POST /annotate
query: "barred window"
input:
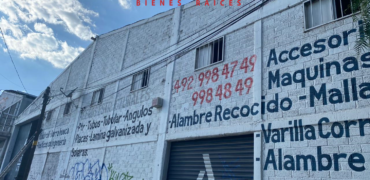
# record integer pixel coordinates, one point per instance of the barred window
(319, 12)
(140, 80)
(97, 97)
(210, 53)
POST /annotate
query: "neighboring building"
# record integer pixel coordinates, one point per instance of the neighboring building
(12, 103)
(267, 90)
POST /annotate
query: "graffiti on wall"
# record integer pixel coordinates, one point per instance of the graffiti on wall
(93, 170)
(114, 175)
(64, 175)
(230, 166)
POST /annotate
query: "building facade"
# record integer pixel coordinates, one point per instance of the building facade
(12, 103)
(265, 90)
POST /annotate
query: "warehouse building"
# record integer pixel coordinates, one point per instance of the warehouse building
(266, 90)
(12, 103)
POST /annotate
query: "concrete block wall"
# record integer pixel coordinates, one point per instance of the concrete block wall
(60, 82)
(87, 130)
(299, 37)
(101, 137)
(79, 69)
(57, 134)
(136, 162)
(68, 118)
(36, 170)
(70, 79)
(107, 58)
(239, 45)
(51, 165)
(80, 165)
(322, 150)
(283, 32)
(148, 39)
(197, 21)
(53, 120)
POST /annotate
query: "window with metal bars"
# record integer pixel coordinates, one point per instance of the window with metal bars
(140, 80)
(209, 53)
(319, 12)
(97, 97)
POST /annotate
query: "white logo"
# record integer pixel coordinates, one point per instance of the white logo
(208, 164)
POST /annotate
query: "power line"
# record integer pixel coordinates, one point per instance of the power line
(7, 49)
(10, 80)
(190, 45)
(186, 49)
(194, 44)
(16, 84)
(180, 53)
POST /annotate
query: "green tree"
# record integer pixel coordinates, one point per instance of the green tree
(363, 40)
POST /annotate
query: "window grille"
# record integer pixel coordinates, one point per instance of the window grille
(97, 97)
(140, 80)
(319, 12)
(209, 53)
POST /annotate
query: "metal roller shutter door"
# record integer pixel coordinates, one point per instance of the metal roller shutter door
(212, 159)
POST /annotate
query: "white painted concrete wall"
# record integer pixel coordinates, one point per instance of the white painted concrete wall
(114, 57)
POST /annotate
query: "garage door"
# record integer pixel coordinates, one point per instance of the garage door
(212, 159)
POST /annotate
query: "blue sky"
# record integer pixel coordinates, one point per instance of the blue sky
(44, 36)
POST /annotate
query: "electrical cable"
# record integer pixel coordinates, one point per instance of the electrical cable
(190, 36)
(186, 49)
(17, 84)
(161, 66)
(9, 80)
(182, 52)
(6, 45)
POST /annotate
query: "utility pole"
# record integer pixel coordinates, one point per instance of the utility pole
(31, 141)
(42, 116)
(27, 160)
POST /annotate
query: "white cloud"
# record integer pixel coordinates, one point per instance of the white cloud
(70, 13)
(40, 45)
(126, 4)
(40, 27)
(16, 31)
